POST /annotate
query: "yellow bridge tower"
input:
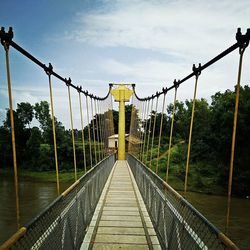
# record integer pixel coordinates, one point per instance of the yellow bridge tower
(121, 94)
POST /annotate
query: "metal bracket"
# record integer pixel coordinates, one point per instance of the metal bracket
(197, 70)
(243, 40)
(6, 37)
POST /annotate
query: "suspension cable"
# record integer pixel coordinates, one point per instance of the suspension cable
(171, 133)
(144, 105)
(97, 131)
(53, 129)
(90, 144)
(149, 130)
(141, 127)
(153, 135)
(241, 39)
(139, 122)
(111, 115)
(197, 74)
(136, 126)
(101, 129)
(82, 126)
(230, 179)
(6, 47)
(131, 125)
(145, 132)
(93, 128)
(159, 141)
(141, 105)
(72, 132)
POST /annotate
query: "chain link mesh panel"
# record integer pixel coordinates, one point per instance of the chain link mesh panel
(64, 223)
(177, 223)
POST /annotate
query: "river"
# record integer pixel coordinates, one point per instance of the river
(35, 196)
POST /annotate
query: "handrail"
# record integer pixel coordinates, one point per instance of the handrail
(165, 190)
(78, 185)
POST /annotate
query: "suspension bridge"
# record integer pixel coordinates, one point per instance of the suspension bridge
(120, 201)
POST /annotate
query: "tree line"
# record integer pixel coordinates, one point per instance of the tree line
(211, 141)
(210, 151)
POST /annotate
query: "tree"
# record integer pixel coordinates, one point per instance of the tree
(33, 147)
(42, 114)
(25, 112)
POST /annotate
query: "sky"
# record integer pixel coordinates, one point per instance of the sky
(95, 42)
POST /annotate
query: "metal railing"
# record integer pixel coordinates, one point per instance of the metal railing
(64, 223)
(177, 223)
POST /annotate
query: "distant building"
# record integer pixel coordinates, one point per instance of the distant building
(113, 141)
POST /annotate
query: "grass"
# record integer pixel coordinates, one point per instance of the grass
(202, 177)
(45, 176)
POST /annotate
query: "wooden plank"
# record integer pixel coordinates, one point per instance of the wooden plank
(121, 239)
(121, 230)
(119, 223)
(120, 218)
(106, 246)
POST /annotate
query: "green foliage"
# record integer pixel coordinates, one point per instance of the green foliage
(210, 150)
(211, 143)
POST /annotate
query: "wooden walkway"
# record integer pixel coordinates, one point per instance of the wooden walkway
(121, 220)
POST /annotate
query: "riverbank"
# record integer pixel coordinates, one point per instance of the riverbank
(45, 176)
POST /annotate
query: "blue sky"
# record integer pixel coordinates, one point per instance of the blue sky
(149, 43)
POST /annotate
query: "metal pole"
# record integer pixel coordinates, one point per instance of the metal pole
(6, 47)
(190, 133)
(93, 128)
(159, 142)
(145, 132)
(54, 133)
(131, 125)
(90, 146)
(153, 135)
(97, 131)
(72, 132)
(83, 141)
(171, 135)
(230, 180)
(150, 126)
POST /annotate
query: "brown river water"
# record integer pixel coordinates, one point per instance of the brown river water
(35, 196)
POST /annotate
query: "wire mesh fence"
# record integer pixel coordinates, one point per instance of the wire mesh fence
(178, 225)
(64, 223)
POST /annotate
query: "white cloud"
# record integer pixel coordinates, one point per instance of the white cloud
(183, 28)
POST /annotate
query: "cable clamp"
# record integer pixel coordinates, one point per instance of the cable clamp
(6, 37)
(48, 70)
(68, 81)
(197, 70)
(243, 40)
(176, 83)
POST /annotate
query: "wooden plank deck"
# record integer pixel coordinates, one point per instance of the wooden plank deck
(121, 220)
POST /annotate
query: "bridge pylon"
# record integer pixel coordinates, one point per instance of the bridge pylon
(121, 94)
